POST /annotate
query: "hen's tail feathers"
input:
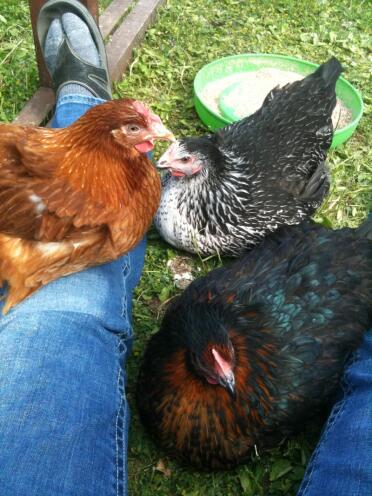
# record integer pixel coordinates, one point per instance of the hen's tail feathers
(329, 72)
(365, 230)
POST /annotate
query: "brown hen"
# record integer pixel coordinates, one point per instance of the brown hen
(75, 197)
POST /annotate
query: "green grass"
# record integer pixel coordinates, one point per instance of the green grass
(18, 73)
(186, 35)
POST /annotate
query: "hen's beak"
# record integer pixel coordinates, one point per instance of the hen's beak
(159, 132)
(169, 157)
(162, 163)
(228, 382)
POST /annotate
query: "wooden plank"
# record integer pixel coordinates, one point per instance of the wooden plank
(112, 15)
(92, 6)
(44, 78)
(37, 108)
(119, 49)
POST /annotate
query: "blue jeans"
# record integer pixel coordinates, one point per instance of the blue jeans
(63, 411)
(341, 465)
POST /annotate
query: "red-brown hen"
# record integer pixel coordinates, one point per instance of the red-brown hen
(75, 197)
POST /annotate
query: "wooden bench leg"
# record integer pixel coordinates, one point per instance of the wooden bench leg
(35, 6)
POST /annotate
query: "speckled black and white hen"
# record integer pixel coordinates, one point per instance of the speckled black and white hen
(225, 191)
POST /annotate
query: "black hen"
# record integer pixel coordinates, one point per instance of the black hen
(250, 351)
(226, 191)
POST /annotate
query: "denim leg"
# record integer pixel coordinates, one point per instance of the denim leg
(63, 410)
(71, 107)
(341, 464)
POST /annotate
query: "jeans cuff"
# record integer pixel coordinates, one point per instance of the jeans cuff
(84, 99)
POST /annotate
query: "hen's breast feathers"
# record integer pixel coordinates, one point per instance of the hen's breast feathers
(192, 416)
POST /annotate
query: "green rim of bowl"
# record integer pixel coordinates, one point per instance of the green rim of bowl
(215, 120)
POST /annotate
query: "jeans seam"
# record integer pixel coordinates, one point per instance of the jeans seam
(119, 443)
(124, 449)
(126, 270)
(336, 412)
(122, 413)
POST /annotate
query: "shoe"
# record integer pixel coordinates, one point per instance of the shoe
(71, 68)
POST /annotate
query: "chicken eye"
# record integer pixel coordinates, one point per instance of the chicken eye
(133, 128)
(185, 159)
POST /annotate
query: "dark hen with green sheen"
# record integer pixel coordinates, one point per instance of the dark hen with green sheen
(246, 354)
(226, 191)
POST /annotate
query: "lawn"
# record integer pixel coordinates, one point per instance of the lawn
(186, 35)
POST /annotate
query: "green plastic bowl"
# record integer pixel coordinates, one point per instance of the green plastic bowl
(227, 66)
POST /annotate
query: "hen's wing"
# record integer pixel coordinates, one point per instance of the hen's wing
(36, 202)
(316, 297)
(289, 136)
(313, 295)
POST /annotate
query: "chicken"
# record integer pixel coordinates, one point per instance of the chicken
(226, 191)
(75, 197)
(246, 354)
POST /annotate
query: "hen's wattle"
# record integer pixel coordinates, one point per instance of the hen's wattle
(246, 354)
(227, 190)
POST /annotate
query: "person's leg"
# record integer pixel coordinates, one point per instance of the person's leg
(63, 411)
(341, 464)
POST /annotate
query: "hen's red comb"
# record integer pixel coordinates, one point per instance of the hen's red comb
(145, 111)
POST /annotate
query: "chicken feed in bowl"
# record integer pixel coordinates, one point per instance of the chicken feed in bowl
(241, 94)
